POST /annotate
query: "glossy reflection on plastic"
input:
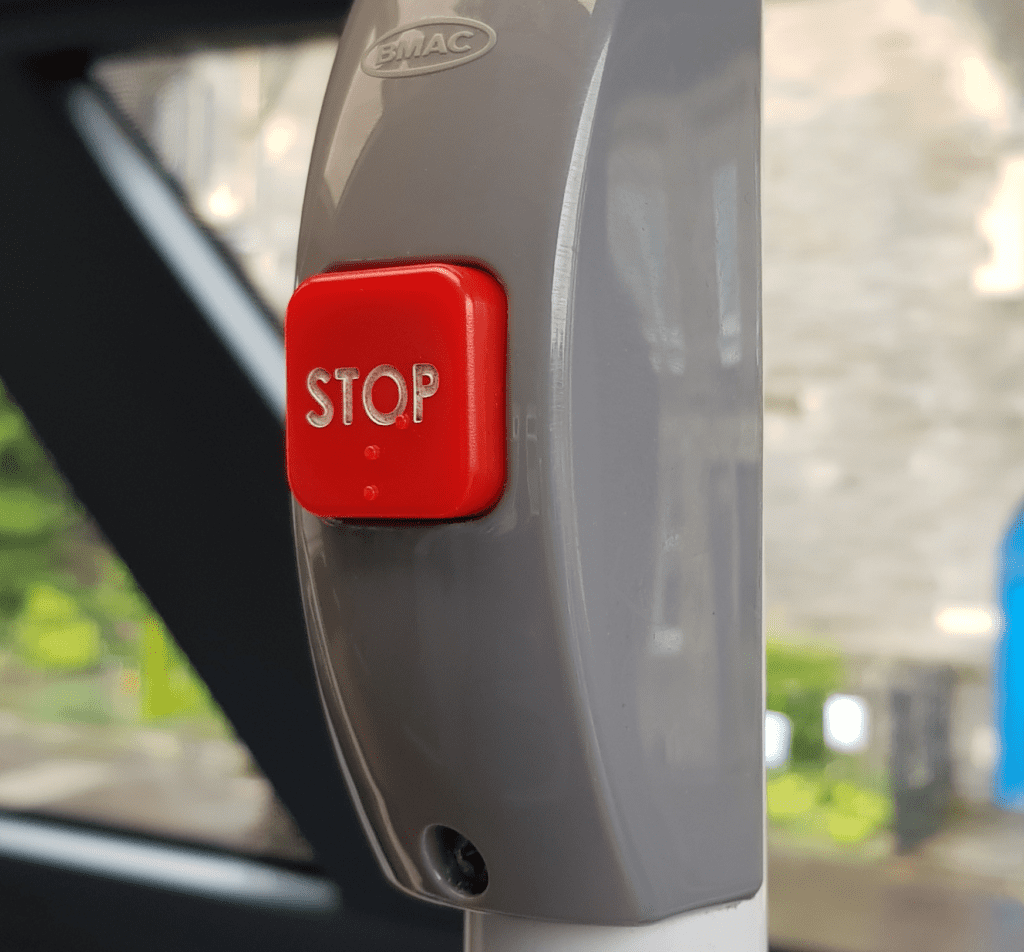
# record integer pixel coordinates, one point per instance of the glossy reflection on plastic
(412, 358)
(573, 681)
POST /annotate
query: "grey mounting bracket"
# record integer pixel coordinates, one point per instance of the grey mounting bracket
(555, 710)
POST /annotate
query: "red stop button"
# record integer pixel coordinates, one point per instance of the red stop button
(396, 392)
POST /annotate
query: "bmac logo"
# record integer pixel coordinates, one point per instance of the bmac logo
(428, 47)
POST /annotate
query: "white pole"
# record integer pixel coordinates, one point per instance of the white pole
(739, 927)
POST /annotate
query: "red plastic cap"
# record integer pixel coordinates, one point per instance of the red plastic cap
(396, 393)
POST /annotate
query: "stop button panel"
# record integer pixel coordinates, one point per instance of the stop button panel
(396, 392)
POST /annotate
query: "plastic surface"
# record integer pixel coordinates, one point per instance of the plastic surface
(739, 927)
(572, 682)
(396, 392)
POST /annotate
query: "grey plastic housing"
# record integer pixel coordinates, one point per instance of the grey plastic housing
(573, 681)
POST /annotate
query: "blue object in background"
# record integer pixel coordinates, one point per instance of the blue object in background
(1009, 687)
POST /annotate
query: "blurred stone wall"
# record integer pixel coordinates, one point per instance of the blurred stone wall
(893, 191)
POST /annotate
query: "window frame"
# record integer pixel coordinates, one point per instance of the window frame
(163, 437)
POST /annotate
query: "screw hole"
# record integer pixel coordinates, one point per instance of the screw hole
(457, 860)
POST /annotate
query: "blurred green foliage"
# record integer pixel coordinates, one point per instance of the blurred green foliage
(168, 684)
(815, 794)
(811, 803)
(78, 640)
(53, 633)
(799, 680)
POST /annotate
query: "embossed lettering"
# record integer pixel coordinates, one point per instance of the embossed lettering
(410, 44)
(428, 46)
(346, 375)
(387, 52)
(460, 35)
(424, 384)
(316, 377)
(436, 45)
(384, 370)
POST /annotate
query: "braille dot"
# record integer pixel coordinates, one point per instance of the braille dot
(370, 493)
(372, 452)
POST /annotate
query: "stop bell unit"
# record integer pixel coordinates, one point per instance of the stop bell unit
(524, 438)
